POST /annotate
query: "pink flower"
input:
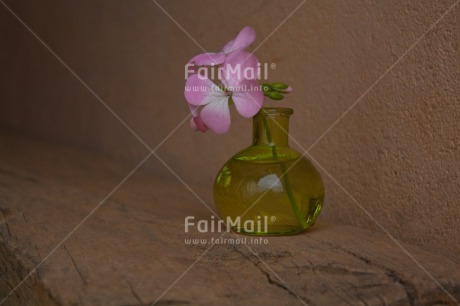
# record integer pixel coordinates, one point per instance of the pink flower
(215, 113)
(209, 103)
(242, 41)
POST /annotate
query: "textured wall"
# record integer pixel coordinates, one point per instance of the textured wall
(396, 152)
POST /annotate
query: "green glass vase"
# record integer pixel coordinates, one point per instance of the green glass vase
(269, 188)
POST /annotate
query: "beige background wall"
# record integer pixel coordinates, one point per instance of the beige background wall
(396, 152)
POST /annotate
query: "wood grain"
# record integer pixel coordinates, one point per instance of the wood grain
(133, 247)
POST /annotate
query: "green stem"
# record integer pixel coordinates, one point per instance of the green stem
(285, 177)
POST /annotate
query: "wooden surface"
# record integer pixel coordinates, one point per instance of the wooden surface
(132, 248)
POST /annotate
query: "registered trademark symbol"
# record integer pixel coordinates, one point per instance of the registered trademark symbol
(273, 218)
(272, 65)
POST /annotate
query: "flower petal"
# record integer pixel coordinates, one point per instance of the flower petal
(208, 59)
(197, 124)
(243, 40)
(199, 90)
(248, 98)
(216, 115)
(194, 110)
(239, 65)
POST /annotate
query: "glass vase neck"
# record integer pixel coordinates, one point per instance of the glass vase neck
(271, 127)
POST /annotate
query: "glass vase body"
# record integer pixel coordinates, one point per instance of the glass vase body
(269, 188)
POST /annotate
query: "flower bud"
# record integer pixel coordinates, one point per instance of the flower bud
(274, 95)
(278, 85)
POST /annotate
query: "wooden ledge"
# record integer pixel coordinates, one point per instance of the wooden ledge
(133, 247)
